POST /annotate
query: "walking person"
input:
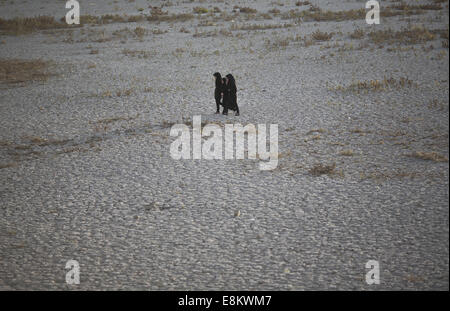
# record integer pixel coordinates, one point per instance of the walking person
(230, 95)
(219, 90)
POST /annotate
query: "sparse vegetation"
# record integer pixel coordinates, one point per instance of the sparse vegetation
(156, 15)
(140, 32)
(157, 11)
(347, 153)
(212, 33)
(138, 54)
(429, 156)
(53, 142)
(316, 14)
(200, 10)
(182, 17)
(6, 165)
(274, 11)
(412, 35)
(377, 85)
(357, 34)
(246, 10)
(21, 26)
(16, 71)
(184, 30)
(321, 169)
(416, 7)
(300, 3)
(321, 36)
(114, 119)
(259, 26)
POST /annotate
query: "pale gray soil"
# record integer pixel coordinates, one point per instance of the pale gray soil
(106, 192)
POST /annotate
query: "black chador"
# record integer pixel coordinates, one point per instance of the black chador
(218, 92)
(230, 96)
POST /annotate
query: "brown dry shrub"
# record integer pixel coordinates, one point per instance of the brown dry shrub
(429, 156)
(14, 71)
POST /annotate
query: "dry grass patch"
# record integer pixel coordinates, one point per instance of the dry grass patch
(36, 140)
(357, 34)
(22, 147)
(414, 35)
(182, 17)
(156, 15)
(140, 32)
(416, 7)
(321, 169)
(184, 30)
(377, 85)
(20, 25)
(53, 142)
(259, 26)
(168, 124)
(74, 149)
(429, 156)
(347, 153)
(316, 14)
(321, 36)
(157, 11)
(136, 53)
(108, 19)
(200, 10)
(114, 119)
(283, 42)
(6, 165)
(126, 92)
(15, 71)
(274, 11)
(246, 10)
(313, 138)
(213, 33)
(442, 32)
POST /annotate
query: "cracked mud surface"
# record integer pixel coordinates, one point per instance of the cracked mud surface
(86, 174)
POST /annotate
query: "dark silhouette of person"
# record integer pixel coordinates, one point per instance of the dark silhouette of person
(230, 96)
(219, 90)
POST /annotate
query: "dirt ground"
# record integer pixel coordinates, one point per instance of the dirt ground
(86, 173)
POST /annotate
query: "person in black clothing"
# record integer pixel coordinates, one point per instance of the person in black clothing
(230, 96)
(224, 84)
(218, 92)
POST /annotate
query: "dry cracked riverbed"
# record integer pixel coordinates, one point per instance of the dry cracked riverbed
(86, 174)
